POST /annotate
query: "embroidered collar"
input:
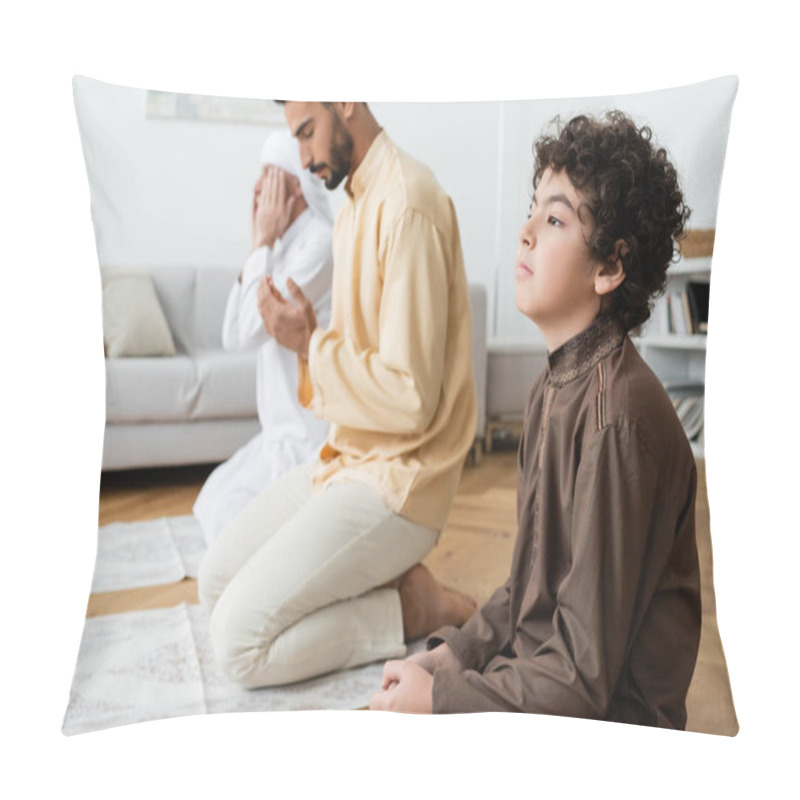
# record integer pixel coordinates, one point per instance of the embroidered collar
(356, 183)
(581, 353)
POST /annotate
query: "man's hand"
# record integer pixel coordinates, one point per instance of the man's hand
(440, 657)
(289, 323)
(273, 204)
(407, 688)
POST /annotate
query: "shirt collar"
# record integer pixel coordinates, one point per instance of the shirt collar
(357, 183)
(581, 353)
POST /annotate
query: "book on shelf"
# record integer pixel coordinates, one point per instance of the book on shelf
(697, 293)
(680, 320)
(687, 310)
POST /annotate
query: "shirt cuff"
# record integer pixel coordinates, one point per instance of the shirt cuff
(305, 389)
(256, 266)
(316, 392)
(453, 693)
(458, 644)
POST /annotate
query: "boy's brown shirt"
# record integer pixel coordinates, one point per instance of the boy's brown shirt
(600, 616)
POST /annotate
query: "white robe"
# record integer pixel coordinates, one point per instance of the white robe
(290, 435)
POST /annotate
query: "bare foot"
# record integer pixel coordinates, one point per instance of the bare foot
(427, 605)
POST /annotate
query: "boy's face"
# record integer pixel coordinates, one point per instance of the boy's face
(555, 272)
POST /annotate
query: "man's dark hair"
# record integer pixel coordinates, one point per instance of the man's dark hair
(631, 191)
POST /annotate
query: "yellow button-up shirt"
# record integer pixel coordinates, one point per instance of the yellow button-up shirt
(393, 372)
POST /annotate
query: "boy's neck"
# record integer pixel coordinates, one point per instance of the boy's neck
(559, 332)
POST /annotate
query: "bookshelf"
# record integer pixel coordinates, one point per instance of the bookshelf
(673, 341)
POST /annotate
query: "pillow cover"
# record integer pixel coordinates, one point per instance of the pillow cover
(133, 322)
(172, 186)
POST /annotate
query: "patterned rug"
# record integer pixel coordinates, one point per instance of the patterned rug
(147, 665)
(156, 664)
(149, 553)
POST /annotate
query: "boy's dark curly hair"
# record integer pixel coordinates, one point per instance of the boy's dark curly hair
(631, 190)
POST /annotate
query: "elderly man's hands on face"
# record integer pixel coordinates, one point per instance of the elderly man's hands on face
(289, 322)
(274, 198)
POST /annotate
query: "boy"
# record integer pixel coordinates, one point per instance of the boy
(600, 616)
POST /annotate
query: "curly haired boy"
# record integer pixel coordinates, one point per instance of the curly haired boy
(600, 616)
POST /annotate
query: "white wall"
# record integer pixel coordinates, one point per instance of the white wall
(164, 192)
(178, 192)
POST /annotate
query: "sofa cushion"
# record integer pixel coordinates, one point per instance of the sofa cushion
(175, 290)
(210, 385)
(133, 321)
(211, 290)
(151, 389)
(227, 385)
(160, 444)
(194, 302)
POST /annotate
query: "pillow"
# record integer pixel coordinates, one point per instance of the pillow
(133, 322)
(172, 186)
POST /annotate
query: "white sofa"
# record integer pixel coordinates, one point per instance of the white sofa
(199, 405)
(511, 369)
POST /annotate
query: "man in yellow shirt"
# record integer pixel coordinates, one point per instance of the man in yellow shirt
(321, 571)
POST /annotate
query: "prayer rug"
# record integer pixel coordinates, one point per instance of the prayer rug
(147, 665)
(147, 553)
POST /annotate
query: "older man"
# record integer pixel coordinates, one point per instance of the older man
(291, 226)
(321, 571)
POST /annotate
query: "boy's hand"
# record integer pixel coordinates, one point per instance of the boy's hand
(407, 688)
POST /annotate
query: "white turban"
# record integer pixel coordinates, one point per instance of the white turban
(280, 150)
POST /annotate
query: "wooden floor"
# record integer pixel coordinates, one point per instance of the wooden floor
(473, 555)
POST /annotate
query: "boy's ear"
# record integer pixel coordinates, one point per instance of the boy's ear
(611, 274)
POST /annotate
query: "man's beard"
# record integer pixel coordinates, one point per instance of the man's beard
(341, 156)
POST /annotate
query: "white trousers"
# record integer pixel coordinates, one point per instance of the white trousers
(292, 583)
(253, 467)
